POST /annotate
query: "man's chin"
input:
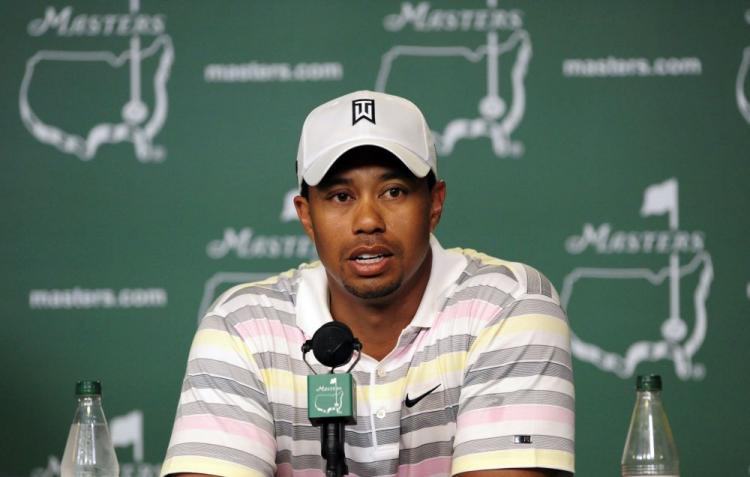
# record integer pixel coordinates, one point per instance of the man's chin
(373, 292)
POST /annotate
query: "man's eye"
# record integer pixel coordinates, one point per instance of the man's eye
(341, 197)
(394, 192)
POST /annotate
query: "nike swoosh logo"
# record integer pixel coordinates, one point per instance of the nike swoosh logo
(413, 402)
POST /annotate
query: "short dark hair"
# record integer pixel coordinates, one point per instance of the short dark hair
(375, 150)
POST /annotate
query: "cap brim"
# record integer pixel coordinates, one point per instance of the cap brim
(321, 165)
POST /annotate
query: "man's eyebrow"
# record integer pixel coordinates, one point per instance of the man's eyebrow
(338, 180)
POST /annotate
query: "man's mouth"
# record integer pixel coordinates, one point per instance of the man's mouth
(368, 258)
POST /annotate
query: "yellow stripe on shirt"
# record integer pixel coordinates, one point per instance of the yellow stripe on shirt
(515, 458)
(206, 465)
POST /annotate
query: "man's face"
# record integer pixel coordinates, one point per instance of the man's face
(370, 220)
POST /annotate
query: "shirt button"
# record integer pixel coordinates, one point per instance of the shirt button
(380, 414)
(381, 373)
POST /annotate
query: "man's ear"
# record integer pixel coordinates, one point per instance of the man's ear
(302, 205)
(437, 196)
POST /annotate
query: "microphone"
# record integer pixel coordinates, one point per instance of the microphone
(331, 398)
(333, 344)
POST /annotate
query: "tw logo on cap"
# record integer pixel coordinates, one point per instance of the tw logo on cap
(363, 109)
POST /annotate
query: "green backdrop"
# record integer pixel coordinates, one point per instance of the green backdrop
(147, 151)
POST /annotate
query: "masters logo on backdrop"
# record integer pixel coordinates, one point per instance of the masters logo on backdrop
(742, 79)
(127, 433)
(501, 105)
(652, 336)
(245, 244)
(136, 121)
(742, 102)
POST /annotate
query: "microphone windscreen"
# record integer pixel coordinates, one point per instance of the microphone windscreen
(333, 344)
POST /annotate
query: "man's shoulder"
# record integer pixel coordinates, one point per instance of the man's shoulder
(515, 279)
(277, 291)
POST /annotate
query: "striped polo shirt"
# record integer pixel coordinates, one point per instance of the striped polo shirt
(489, 348)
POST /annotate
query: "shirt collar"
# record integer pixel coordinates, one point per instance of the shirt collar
(447, 266)
(312, 295)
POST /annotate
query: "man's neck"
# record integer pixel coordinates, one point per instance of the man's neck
(378, 323)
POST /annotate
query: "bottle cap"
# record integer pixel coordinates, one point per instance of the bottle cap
(88, 388)
(649, 382)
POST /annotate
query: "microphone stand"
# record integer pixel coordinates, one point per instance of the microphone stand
(332, 447)
(332, 431)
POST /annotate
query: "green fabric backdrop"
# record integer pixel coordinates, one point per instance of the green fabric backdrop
(147, 151)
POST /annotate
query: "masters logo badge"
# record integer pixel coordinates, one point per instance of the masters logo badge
(614, 294)
(329, 398)
(140, 122)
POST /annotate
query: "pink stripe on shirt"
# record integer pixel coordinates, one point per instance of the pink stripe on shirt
(435, 466)
(202, 422)
(534, 412)
(256, 329)
(286, 470)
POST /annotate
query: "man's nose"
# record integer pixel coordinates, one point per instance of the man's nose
(368, 217)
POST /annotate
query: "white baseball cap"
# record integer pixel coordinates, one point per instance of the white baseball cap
(364, 118)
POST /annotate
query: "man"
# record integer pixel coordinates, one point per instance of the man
(466, 365)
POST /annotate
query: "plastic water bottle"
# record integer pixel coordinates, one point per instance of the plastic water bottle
(89, 451)
(649, 448)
